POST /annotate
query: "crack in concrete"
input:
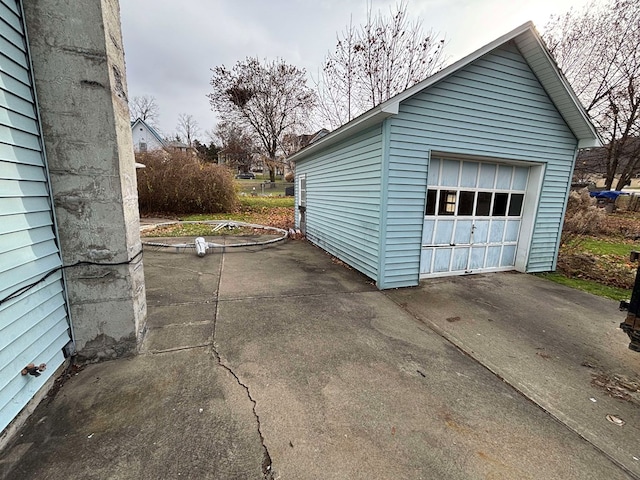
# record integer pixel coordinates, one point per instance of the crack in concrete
(266, 461)
(267, 464)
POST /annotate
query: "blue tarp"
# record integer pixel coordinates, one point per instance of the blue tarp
(608, 194)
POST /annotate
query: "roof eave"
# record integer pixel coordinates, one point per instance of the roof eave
(364, 121)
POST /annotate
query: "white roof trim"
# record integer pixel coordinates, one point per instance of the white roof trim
(572, 111)
(150, 129)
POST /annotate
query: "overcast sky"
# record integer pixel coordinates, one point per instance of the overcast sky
(170, 46)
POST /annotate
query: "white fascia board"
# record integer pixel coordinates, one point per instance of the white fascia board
(372, 117)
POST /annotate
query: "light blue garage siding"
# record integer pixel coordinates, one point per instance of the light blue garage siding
(33, 326)
(343, 199)
(493, 107)
(405, 179)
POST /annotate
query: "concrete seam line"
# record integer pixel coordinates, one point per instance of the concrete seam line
(267, 470)
(494, 371)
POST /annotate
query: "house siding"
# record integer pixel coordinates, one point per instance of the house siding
(343, 199)
(494, 107)
(34, 325)
(142, 135)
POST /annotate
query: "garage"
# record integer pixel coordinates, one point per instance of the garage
(473, 216)
(466, 172)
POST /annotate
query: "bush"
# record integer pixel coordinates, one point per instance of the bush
(173, 183)
(582, 216)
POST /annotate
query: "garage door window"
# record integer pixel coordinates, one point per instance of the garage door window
(487, 204)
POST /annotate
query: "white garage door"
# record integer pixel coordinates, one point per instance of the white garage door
(472, 217)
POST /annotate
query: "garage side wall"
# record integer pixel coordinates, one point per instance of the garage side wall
(494, 107)
(343, 199)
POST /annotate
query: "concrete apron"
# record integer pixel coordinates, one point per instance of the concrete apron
(557, 346)
(347, 385)
(280, 362)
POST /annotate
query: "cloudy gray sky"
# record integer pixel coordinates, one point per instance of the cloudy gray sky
(170, 45)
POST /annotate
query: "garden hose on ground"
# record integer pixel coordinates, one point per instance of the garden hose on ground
(201, 246)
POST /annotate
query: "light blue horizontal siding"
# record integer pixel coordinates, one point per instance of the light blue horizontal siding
(34, 325)
(343, 200)
(494, 107)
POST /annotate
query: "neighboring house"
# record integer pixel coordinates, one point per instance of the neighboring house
(176, 146)
(465, 172)
(67, 197)
(591, 164)
(293, 143)
(145, 137)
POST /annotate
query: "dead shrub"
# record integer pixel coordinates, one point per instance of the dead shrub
(173, 183)
(582, 217)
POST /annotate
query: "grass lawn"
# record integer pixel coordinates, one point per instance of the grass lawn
(589, 286)
(599, 263)
(262, 187)
(271, 211)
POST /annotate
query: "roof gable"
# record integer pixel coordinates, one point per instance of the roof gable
(150, 129)
(535, 53)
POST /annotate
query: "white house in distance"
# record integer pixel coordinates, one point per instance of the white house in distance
(145, 137)
(465, 172)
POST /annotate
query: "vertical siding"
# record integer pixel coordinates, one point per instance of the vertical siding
(33, 326)
(343, 200)
(494, 107)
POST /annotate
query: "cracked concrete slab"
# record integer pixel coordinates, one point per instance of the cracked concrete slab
(310, 371)
(174, 415)
(359, 390)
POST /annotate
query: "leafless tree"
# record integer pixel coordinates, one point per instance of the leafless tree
(144, 108)
(237, 145)
(187, 128)
(598, 49)
(374, 62)
(268, 99)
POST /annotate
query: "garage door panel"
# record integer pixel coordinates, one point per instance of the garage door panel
(433, 178)
(450, 173)
(477, 258)
(520, 178)
(493, 257)
(442, 260)
(512, 231)
(496, 232)
(463, 232)
(487, 177)
(427, 232)
(460, 259)
(425, 260)
(469, 175)
(508, 256)
(444, 232)
(503, 182)
(481, 231)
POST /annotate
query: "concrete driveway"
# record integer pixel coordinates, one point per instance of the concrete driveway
(282, 363)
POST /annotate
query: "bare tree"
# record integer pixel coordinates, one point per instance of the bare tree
(237, 145)
(267, 99)
(144, 108)
(374, 62)
(598, 49)
(188, 128)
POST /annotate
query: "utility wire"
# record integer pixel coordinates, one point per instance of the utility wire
(26, 288)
